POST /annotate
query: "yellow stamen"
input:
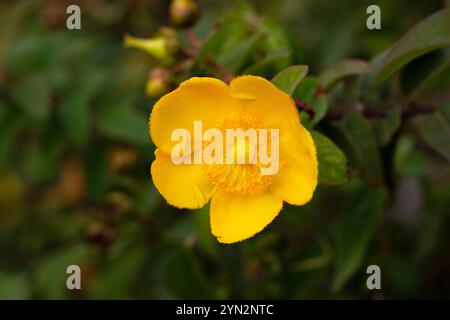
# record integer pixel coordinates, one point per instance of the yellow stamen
(239, 178)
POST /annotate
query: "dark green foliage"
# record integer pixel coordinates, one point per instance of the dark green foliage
(75, 152)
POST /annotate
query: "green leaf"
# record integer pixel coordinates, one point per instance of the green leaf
(33, 96)
(14, 286)
(307, 89)
(11, 127)
(75, 118)
(408, 160)
(184, 277)
(122, 122)
(50, 275)
(275, 41)
(439, 78)
(332, 161)
(289, 78)
(307, 92)
(296, 47)
(353, 231)
(46, 53)
(203, 231)
(436, 131)
(403, 150)
(11, 21)
(386, 127)
(431, 33)
(4, 108)
(118, 277)
(342, 70)
(97, 171)
(320, 107)
(362, 147)
(240, 55)
(431, 226)
(75, 113)
(402, 275)
(41, 157)
(222, 40)
(262, 66)
(181, 231)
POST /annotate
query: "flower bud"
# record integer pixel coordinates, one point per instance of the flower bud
(117, 205)
(163, 46)
(170, 36)
(121, 157)
(184, 13)
(72, 181)
(158, 82)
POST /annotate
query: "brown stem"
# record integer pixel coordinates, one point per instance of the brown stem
(408, 111)
(194, 39)
(226, 75)
(195, 48)
(417, 109)
(302, 105)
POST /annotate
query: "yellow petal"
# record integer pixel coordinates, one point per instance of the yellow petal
(205, 99)
(237, 217)
(271, 105)
(183, 186)
(296, 179)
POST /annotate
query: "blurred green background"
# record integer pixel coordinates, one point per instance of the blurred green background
(75, 186)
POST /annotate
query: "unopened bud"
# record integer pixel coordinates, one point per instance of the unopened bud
(158, 82)
(171, 40)
(184, 13)
(163, 46)
(117, 205)
(72, 181)
(121, 157)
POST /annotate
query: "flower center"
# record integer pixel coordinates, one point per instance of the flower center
(243, 151)
(241, 170)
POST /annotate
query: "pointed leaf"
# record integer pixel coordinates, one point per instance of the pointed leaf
(362, 147)
(386, 127)
(439, 78)
(332, 161)
(75, 113)
(124, 123)
(436, 131)
(33, 96)
(342, 70)
(184, 277)
(289, 79)
(352, 232)
(431, 33)
(307, 91)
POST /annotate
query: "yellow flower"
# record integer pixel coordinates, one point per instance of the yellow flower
(243, 201)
